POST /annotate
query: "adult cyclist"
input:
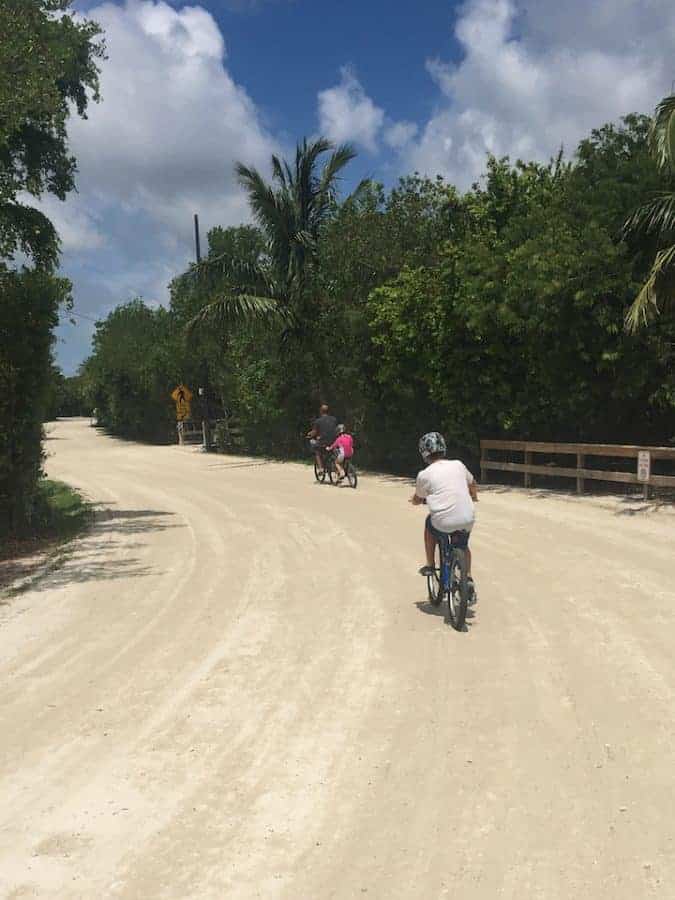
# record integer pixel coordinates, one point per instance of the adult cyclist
(449, 490)
(322, 433)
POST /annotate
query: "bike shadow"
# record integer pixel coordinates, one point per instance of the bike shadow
(441, 611)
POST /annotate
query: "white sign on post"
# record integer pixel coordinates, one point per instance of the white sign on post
(644, 465)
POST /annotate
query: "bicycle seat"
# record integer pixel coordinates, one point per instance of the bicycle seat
(459, 539)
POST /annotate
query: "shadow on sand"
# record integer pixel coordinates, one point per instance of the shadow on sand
(441, 611)
(93, 556)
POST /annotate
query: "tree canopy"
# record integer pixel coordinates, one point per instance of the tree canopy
(48, 70)
(497, 312)
(48, 66)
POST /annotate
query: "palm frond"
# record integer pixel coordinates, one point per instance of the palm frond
(278, 171)
(339, 158)
(242, 270)
(361, 189)
(309, 153)
(325, 191)
(261, 196)
(306, 239)
(662, 133)
(657, 291)
(270, 209)
(238, 309)
(292, 211)
(656, 215)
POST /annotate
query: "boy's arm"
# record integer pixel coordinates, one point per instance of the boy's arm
(471, 484)
(420, 494)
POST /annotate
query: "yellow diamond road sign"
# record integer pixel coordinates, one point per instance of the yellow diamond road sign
(182, 396)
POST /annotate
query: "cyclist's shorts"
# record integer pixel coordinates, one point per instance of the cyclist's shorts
(459, 539)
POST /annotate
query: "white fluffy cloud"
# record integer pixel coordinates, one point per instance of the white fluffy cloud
(346, 112)
(400, 134)
(160, 146)
(172, 120)
(536, 74)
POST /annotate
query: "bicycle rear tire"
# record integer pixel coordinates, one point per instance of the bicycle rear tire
(352, 477)
(434, 585)
(458, 594)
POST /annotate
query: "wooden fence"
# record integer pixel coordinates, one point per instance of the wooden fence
(643, 456)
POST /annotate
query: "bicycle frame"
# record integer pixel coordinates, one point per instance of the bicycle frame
(446, 562)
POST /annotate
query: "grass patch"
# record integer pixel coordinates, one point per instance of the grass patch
(59, 515)
(60, 511)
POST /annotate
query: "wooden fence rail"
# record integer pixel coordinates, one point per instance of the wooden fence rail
(642, 455)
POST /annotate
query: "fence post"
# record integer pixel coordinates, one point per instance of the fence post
(528, 462)
(181, 438)
(581, 461)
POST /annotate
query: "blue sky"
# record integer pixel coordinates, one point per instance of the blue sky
(433, 86)
(287, 51)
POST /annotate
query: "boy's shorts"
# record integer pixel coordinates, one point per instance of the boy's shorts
(458, 538)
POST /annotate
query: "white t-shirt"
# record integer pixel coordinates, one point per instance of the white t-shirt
(445, 485)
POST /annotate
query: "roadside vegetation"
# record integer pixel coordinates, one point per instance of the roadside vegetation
(58, 514)
(48, 72)
(517, 309)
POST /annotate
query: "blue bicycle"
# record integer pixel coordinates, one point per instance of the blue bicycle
(450, 577)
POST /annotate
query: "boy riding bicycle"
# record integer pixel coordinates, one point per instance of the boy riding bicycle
(449, 490)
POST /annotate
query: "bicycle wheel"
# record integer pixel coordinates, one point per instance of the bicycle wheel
(458, 596)
(319, 474)
(434, 586)
(352, 477)
(332, 471)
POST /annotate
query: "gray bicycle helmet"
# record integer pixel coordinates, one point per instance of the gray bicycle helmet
(431, 444)
(340, 429)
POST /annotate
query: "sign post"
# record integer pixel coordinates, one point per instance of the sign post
(644, 469)
(204, 404)
(182, 397)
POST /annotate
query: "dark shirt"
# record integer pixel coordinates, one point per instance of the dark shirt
(326, 429)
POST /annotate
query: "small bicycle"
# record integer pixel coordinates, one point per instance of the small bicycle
(328, 460)
(451, 578)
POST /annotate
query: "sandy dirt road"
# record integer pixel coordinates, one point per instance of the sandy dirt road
(233, 688)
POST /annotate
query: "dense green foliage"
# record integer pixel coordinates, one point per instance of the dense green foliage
(60, 511)
(48, 68)
(657, 217)
(65, 396)
(499, 312)
(130, 375)
(28, 315)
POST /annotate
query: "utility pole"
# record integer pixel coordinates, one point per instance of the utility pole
(204, 389)
(198, 252)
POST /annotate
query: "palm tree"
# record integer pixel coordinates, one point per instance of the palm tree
(657, 217)
(290, 212)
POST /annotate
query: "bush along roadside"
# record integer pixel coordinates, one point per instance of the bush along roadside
(60, 514)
